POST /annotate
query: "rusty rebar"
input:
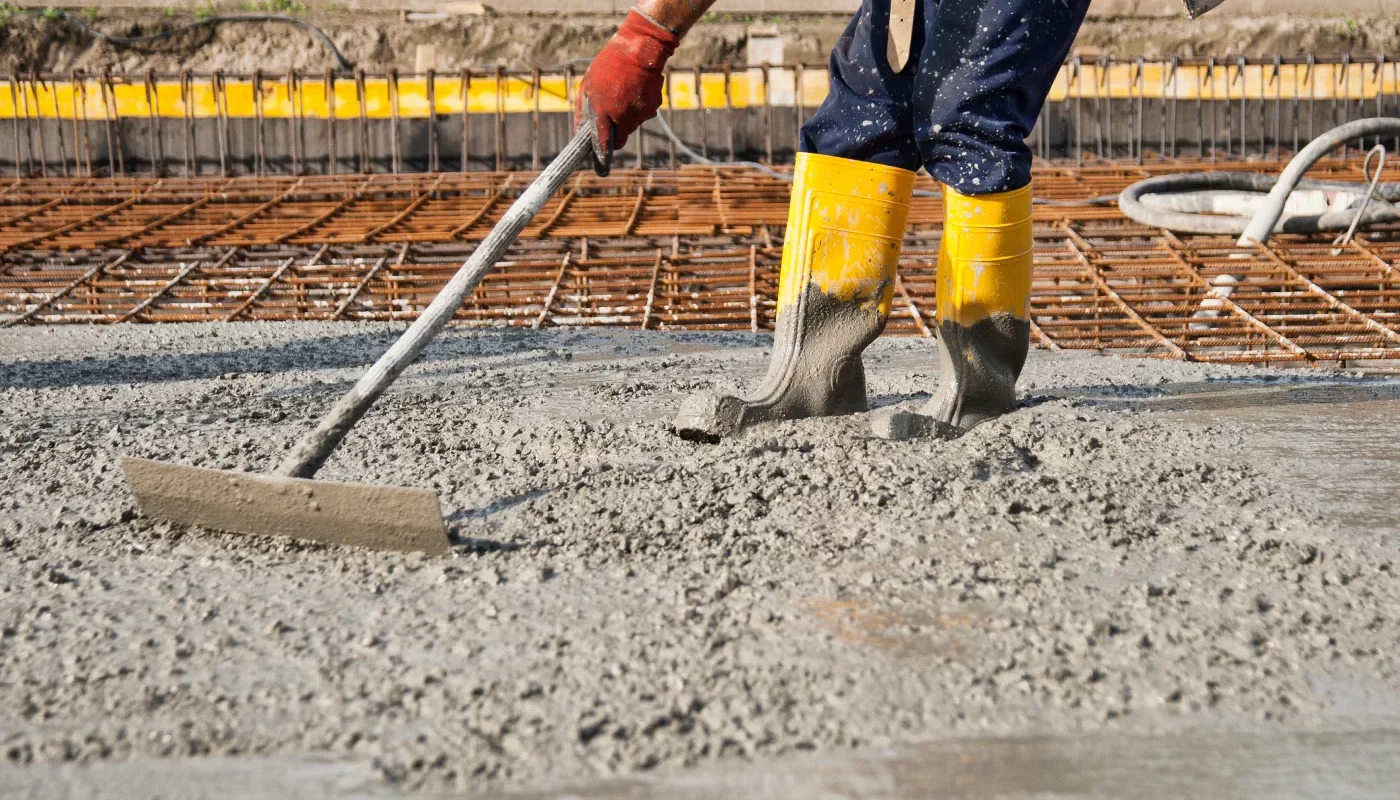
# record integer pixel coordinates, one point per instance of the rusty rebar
(141, 248)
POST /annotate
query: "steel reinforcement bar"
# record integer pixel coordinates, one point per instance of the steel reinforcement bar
(691, 249)
(327, 123)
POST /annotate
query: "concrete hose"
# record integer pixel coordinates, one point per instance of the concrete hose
(1193, 202)
(1175, 202)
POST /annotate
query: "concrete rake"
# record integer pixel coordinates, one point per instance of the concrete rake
(286, 501)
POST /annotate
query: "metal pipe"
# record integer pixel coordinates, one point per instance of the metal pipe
(294, 94)
(395, 155)
(670, 118)
(14, 103)
(800, 108)
(221, 114)
(466, 80)
(362, 130)
(1277, 78)
(767, 116)
(704, 115)
(1162, 109)
(1078, 108)
(500, 119)
(259, 135)
(431, 87)
(331, 157)
(80, 109)
(535, 121)
(30, 135)
(187, 111)
(1137, 134)
(311, 452)
(729, 109)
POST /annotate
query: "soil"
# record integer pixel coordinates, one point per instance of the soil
(379, 42)
(1109, 560)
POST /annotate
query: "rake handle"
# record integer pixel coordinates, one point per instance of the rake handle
(315, 447)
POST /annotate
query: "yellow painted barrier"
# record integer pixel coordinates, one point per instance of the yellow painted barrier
(1255, 82)
(785, 88)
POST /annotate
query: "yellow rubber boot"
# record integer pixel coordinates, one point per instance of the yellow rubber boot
(845, 227)
(984, 286)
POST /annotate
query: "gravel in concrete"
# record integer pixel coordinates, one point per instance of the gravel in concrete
(619, 599)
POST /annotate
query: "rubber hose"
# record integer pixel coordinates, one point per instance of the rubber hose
(1131, 202)
(1269, 217)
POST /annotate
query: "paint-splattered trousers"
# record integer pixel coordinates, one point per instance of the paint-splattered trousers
(977, 75)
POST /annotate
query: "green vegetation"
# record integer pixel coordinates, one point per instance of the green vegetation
(169, 12)
(90, 14)
(276, 6)
(50, 14)
(205, 11)
(8, 10)
(1350, 26)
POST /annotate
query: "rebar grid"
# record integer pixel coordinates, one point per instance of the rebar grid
(696, 248)
(136, 213)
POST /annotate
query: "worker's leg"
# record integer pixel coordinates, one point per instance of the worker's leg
(850, 200)
(983, 76)
(866, 115)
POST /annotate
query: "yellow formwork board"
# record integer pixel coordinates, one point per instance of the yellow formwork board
(784, 88)
(1157, 80)
(483, 95)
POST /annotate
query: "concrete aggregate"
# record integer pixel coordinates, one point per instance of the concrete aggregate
(619, 599)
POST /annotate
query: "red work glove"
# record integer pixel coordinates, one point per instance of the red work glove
(622, 88)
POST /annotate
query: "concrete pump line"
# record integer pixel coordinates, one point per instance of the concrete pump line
(210, 22)
(1184, 203)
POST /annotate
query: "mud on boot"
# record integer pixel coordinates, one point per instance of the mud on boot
(845, 228)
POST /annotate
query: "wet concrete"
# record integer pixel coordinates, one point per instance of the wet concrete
(1338, 440)
(1350, 765)
(1203, 764)
(1146, 557)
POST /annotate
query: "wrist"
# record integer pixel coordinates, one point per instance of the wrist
(648, 43)
(674, 16)
(658, 23)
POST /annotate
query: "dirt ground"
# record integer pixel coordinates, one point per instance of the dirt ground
(379, 42)
(1110, 558)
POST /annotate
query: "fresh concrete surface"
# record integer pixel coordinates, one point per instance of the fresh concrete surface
(1145, 549)
(1216, 764)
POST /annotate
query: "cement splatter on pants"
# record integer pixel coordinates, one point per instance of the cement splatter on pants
(963, 105)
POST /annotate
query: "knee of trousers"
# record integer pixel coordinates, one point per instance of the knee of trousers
(978, 158)
(876, 132)
(971, 131)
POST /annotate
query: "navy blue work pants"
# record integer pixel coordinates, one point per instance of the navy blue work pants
(978, 73)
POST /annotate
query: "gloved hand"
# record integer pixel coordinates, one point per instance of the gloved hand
(622, 88)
